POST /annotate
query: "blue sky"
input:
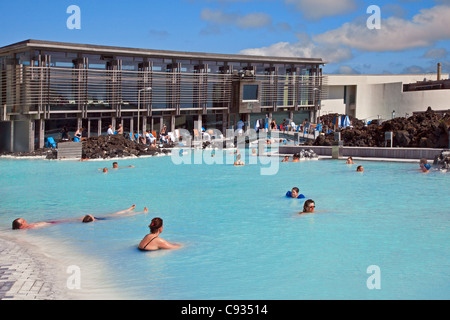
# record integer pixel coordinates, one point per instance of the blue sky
(413, 36)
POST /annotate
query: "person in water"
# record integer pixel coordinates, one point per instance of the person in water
(152, 241)
(20, 223)
(238, 161)
(309, 206)
(360, 169)
(115, 165)
(424, 165)
(295, 193)
(350, 160)
(90, 218)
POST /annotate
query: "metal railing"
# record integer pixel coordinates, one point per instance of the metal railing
(51, 89)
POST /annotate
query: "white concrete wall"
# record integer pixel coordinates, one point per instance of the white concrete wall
(379, 95)
(335, 101)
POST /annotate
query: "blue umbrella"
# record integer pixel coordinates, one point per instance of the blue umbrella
(345, 122)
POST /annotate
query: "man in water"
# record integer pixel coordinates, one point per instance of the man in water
(115, 166)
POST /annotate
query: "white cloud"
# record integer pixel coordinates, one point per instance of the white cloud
(437, 53)
(248, 21)
(426, 28)
(304, 48)
(346, 70)
(317, 9)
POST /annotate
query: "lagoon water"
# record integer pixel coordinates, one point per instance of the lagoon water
(242, 238)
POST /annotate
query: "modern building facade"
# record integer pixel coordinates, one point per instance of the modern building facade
(369, 97)
(45, 86)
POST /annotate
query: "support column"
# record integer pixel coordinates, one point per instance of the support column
(132, 126)
(31, 134)
(144, 125)
(11, 137)
(225, 122)
(311, 116)
(41, 124)
(99, 127)
(199, 124)
(88, 128)
(270, 119)
(172, 123)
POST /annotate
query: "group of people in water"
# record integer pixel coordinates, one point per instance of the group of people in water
(153, 241)
(150, 242)
(308, 206)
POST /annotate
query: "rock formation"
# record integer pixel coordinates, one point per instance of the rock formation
(424, 130)
(117, 146)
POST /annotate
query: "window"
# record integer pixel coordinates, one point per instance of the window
(250, 92)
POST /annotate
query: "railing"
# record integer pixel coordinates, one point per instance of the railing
(47, 89)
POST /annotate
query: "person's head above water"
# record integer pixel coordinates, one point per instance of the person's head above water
(19, 224)
(156, 225)
(309, 206)
(88, 218)
(295, 192)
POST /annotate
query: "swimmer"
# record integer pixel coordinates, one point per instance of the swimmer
(152, 241)
(295, 193)
(286, 159)
(238, 161)
(350, 160)
(90, 218)
(115, 166)
(309, 206)
(424, 165)
(23, 224)
(296, 158)
(360, 169)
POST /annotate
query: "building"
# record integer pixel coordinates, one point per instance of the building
(369, 97)
(45, 86)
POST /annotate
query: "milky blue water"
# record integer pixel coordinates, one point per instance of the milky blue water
(242, 239)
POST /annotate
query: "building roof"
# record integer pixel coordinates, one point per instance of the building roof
(124, 51)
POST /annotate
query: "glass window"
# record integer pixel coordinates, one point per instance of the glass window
(250, 92)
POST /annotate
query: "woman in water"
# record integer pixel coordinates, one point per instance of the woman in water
(308, 206)
(152, 241)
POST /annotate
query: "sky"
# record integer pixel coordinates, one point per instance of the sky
(352, 36)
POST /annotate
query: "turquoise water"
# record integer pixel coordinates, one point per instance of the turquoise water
(242, 239)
